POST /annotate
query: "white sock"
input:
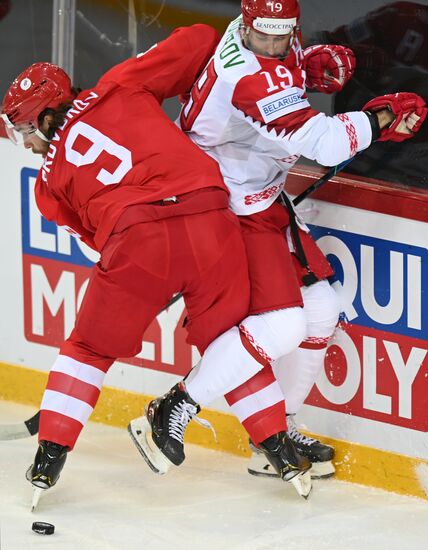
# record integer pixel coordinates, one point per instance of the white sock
(297, 371)
(296, 374)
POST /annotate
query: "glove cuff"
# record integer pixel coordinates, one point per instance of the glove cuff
(374, 124)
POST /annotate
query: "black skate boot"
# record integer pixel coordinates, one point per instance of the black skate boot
(318, 453)
(287, 462)
(166, 418)
(48, 463)
(281, 453)
(45, 471)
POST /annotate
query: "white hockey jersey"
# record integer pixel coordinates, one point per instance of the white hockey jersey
(252, 115)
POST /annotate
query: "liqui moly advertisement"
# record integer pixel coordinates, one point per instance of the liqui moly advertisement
(377, 364)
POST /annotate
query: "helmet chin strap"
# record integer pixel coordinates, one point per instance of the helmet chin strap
(293, 39)
(42, 136)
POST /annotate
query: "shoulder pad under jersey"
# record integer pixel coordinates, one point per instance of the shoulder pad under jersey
(272, 92)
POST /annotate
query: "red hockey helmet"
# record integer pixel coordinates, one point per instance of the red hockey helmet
(278, 17)
(40, 86)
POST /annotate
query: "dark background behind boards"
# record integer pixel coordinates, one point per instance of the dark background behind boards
(390, 40)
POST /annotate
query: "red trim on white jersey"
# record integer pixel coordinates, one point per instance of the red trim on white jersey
(263, 195)
(352, 133)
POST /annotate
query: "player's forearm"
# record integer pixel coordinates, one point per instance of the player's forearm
(329, 140)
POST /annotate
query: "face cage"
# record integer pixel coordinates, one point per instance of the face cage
(20, 134)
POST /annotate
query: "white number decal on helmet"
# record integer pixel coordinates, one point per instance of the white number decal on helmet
(276, 7)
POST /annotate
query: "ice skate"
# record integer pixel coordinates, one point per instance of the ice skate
(319, 454)
(287, 462)
(166, 420)
(46, 469)
(259, 465)
(141, 434)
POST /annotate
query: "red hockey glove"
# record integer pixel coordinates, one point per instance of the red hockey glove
(328, 67)
(410, 112)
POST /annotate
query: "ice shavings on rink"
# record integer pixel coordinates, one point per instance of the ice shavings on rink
(107, 498)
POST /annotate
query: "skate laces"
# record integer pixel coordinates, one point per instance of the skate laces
(181, 415)
(294, 433)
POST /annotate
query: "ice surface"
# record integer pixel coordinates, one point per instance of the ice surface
(107, 498)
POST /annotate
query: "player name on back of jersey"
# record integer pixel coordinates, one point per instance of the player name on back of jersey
(79, 105)
(282, 103)
(230, 52)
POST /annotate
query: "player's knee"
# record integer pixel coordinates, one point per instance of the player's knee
(79, 349)
(277, 332)
(322, 307)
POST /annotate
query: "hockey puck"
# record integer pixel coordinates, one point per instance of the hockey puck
(43, 528)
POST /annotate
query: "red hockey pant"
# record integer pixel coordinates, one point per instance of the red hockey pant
(201, 255)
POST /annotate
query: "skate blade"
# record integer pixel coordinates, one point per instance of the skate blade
(37, 493)
(260, 467)
(303, 484)
(322, 470)
(139, 430)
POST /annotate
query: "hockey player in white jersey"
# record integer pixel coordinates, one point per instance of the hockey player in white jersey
(250, 112)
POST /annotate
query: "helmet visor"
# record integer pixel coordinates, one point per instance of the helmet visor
(19, 133)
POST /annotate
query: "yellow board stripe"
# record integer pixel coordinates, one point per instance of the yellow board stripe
(354, 462)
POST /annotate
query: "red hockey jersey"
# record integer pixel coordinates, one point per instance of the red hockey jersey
(117, 148)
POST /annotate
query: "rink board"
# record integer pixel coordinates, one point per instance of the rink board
(373, 391)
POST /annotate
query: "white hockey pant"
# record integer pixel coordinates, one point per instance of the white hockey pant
(227, 364)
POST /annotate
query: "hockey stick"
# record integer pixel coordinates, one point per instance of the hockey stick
(324, 179)
(21, 429)
(31, 426)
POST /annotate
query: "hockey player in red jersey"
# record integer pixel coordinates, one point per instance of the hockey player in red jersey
(124, 179)
(250, 112)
